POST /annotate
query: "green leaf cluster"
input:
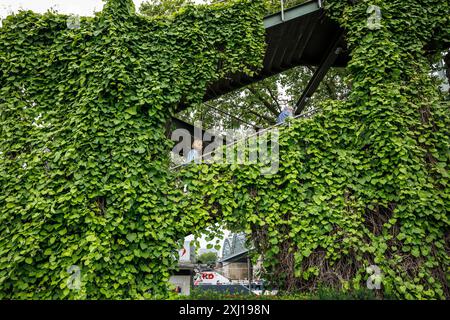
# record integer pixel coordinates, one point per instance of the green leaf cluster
(84, 160)
(366, 181)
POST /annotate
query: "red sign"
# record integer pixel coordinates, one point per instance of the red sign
(208, 276)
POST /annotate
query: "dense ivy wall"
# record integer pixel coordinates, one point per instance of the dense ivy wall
(83, 153)
(83, 170)
(364, 183)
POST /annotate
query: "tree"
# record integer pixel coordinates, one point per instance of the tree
(207, 258)
(162, 7)
(259, 104)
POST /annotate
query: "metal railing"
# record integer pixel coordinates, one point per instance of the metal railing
(283, 8)
(303, 115)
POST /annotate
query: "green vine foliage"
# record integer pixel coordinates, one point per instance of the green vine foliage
(366, 182)
(84, 160)
(84, 168)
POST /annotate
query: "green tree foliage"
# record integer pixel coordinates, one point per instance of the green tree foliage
(366, 181)
(259, 104)
(168, 7)
(83, 156)
(208, 257)
(271, 5)
(162, 7)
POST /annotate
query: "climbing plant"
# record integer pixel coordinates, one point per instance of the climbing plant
(362, 196)
(89, 208)
(84, 180)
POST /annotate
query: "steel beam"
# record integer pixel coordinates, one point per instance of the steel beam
(331, 56)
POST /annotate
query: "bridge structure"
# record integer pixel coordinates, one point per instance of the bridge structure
(235, 260)
(299, 36)
(234, 248)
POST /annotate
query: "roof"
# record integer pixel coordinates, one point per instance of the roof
(237, 257)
